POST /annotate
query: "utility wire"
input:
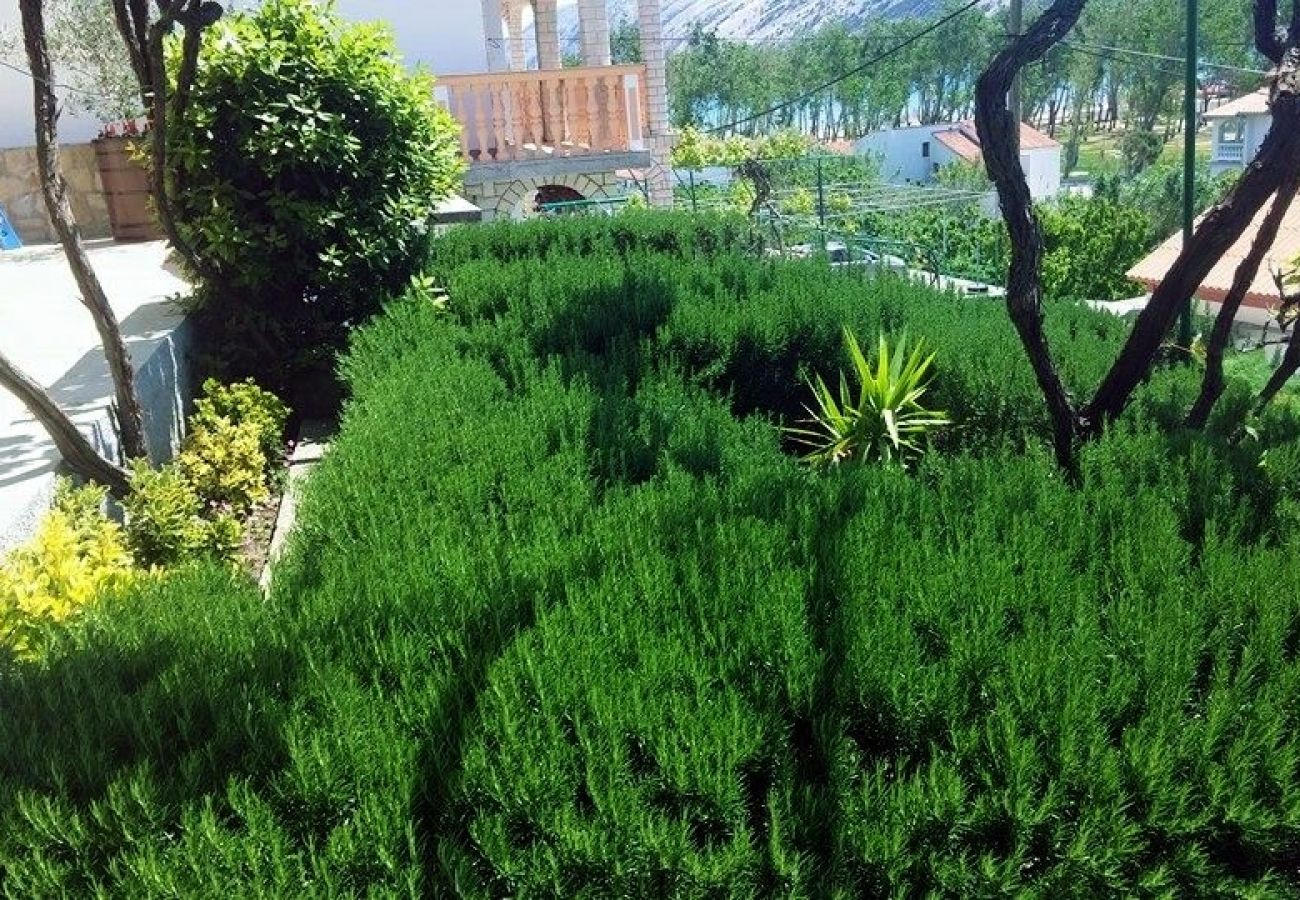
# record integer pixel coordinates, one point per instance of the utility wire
(54, 84)
(897, 48)
(1098, 49)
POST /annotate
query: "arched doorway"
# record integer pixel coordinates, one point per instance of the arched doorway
(555, 193)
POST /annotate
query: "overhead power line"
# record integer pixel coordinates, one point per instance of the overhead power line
(844, 76)
(54, 84)
(1098, 49)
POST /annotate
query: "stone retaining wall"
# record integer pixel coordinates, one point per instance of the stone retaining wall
(20, 193)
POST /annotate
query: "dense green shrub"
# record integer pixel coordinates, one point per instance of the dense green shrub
(1089, 243)
(196, 504)
(310, 163)
(168, 521)
(559, 623)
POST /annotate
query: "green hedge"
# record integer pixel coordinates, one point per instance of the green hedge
(558, 623)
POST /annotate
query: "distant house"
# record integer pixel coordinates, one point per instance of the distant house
(1236, 131)
(1262, 296)
(915, 155)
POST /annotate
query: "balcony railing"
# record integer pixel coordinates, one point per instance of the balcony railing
(1232, 152)
(507, 116)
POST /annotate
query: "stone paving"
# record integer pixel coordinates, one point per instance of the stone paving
(45, 330)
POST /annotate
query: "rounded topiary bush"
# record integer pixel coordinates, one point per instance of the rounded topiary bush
(307, 167)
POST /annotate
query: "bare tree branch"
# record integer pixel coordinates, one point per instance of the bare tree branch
(1284, 372)
(146, 42)
(999, 143)
(1212, 383)
(1267, 41)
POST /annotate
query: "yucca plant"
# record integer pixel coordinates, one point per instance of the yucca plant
(881, 419)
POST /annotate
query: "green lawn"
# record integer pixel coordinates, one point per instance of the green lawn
(1099, 153)
(1256, 367)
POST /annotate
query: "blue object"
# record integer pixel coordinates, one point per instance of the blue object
(9, 239)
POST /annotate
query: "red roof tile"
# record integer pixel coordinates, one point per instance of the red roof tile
(1263, 292)
(963, 140)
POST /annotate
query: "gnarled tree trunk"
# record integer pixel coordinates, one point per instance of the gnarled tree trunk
(129, 412)
(144, 39)
(999, 140)
(77, 452)
(1285, 371)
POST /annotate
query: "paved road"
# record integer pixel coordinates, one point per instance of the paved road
(45, 329)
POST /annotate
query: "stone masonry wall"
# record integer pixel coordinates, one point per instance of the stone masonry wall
(509, 199)
(20, 193)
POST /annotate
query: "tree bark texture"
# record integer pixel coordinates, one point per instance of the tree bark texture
(130, 416)
(73, 446)
(1212, 383)
(1285, 371)
(145, 40)
(999, 140)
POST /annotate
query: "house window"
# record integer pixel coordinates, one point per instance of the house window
(1231, 146)
(1232, 131)
(925, 150)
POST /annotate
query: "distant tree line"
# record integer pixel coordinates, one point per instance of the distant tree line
(1100, 78)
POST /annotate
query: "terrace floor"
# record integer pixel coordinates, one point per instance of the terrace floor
(45, 330)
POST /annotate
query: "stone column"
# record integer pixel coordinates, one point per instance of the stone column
(517, 55)
(547, 25)
(595, 32)
(494, 33)
(660, 139)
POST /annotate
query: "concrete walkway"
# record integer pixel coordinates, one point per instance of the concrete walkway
(45, 330)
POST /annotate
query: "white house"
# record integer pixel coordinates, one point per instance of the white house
(914, 155)
(1236, 131)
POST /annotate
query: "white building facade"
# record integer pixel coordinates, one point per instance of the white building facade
(915, 155)
(1237, 130)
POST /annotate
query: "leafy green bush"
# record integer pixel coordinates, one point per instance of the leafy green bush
(76, 556)
(311, 163)
(1140, 149)
(224, 464)
(559, 623)
(195, 505)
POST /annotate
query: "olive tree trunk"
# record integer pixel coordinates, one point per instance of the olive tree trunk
(76, 451)
(130, 416)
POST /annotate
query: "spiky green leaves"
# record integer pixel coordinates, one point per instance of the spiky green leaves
(878, 419)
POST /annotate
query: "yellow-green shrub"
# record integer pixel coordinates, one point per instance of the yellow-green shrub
(224, 464)
(243, 402)
(76, 556)
(165, 521)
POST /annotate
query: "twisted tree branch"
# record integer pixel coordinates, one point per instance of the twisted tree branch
(998, 131)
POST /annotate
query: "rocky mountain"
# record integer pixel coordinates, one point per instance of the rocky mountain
(755, 20)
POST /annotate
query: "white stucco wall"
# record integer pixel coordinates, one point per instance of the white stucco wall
(1255, 127)
(1043, 172)
(446, 36)
(901, 152)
